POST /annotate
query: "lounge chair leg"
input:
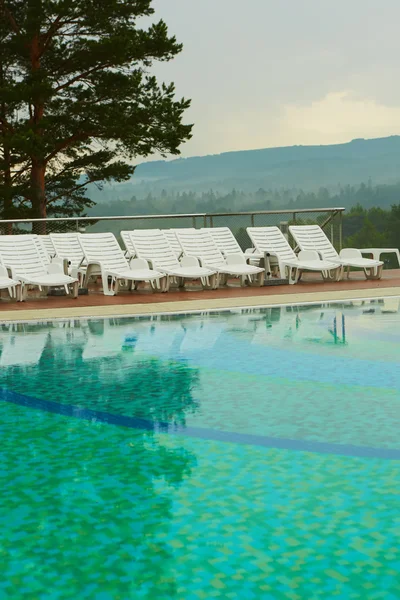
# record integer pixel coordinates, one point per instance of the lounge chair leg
(18, 293)
(164, 284)
(374, 272)
(75, 289)
(223, 279)
(258, 281)
(116, 286)
(211, 282)
(294, 278)
(107, 290)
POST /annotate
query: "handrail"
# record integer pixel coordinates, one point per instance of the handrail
(178, 215)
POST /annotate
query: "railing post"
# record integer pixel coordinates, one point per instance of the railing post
(211, 221)
(194, 222)
(340, 230)
(252, 220)
(77, 225)
(294, 218)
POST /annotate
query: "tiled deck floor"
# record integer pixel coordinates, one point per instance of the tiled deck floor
(311, 285)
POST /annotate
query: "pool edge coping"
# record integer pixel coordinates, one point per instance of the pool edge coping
(193, 306)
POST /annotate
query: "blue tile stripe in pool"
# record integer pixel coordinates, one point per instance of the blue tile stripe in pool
(70, 410)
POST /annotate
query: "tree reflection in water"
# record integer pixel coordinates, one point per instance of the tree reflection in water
(93, 501)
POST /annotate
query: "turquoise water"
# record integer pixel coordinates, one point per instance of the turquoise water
(245, 454)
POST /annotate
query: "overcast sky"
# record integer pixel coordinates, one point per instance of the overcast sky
(264, 73)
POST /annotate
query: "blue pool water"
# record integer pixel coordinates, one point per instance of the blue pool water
(243, 454)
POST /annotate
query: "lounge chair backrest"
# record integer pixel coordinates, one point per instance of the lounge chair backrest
(196, 242)
(311, 237)
(39, 241)
(128, 244)
(22, 254)
(48, 244)
(67, 246)
(151, 244)
(103, 248)
(224, 239)
(271, 239)
(171, 236)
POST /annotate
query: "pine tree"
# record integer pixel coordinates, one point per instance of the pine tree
(78, 103)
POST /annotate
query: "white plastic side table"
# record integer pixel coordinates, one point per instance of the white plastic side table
(376, 252)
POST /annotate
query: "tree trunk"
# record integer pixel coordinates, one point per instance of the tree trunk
(8, 199)
(38, 196)
(38, 168)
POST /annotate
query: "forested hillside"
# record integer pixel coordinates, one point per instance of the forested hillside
(281, 173)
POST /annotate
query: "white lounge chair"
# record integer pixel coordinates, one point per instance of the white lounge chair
(12, 285)
(48, 245)
(200, 244)
(228, 244)
(153, 246)
(130, 250)
(272, 242)
(67, 248)
(103, 253)
(171, 236)
(22, 257)
(311, 237)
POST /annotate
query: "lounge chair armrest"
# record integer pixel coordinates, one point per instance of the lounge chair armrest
(151, 262)
(55, 267)
(235, 259)
(350, 253)
(11, 272)
(3, 272)
(138, 263)
(202, 261)
(189, 261)
(308, 255)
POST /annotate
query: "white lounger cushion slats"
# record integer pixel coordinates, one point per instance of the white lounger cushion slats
(21, 255)
(48, 245)
(41, 246)
(175, 244)
(67, 247)
(312, 237)
(228, 244)
(270, 240)
(200, 244)
(102, 251)
(153, 246)
(130, 250)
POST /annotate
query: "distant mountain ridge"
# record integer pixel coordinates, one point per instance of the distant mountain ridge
(305, 167)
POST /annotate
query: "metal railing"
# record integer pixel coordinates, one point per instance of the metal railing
(330, 219)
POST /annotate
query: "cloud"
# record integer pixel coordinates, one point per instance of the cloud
(338, 117)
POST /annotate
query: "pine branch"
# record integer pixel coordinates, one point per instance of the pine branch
(81, 76)
(10, 17)
(74, 189)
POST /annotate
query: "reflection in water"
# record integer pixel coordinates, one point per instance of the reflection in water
(88, 507)
(95, 500)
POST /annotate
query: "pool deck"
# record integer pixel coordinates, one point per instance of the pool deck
(144, 302)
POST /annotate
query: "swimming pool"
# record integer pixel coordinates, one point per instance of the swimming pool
(250, 454)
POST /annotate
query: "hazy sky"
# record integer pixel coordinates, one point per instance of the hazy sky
(266, 73)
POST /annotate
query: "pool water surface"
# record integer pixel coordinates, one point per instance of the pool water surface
(243, 454)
